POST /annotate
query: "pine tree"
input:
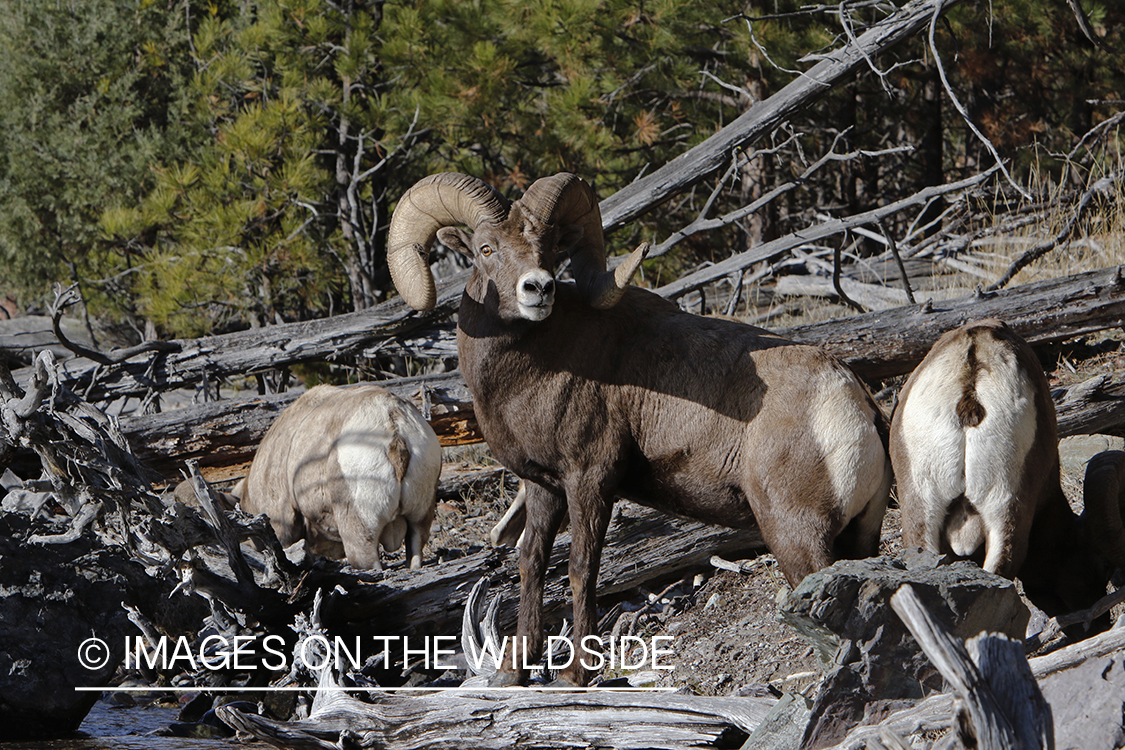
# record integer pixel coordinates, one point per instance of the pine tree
(89, 100)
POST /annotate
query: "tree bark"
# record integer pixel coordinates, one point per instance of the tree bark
(1002, 707)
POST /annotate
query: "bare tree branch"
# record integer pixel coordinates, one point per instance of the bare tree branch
(64, 298)
(964, 114)
(814, 233)
(703, 224)
(898, 260)
(764, 116)
(1087, 29)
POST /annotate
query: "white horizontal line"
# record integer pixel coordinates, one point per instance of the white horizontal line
(340, 689)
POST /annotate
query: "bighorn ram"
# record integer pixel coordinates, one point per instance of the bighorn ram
(596, 389)
(975, 447)
(347, 469)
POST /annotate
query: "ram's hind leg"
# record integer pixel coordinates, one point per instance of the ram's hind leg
(860, 537)
(800, 540)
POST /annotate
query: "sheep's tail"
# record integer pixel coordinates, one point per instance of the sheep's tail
(970, 411)
(399, 454)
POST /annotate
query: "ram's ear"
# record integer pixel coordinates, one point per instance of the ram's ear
(456, 239)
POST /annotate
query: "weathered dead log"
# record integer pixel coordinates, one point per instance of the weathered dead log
(642, 545)
(1002, 707)
(891, 342)
(1092, 407)
(499, 720)
(258, 349)
(223, 435)
(871, 296)
(876, 345)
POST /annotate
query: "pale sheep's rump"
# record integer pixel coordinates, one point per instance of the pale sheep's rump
(350, 470)
(961, 440)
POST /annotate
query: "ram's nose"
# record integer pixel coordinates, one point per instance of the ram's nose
(535, 292)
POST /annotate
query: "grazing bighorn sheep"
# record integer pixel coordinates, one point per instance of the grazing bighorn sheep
(975, 450)
(347, 469)
(596, 389)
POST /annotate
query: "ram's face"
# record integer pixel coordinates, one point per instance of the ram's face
(516, 258)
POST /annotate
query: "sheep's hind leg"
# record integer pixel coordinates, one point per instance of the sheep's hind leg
(545, 511)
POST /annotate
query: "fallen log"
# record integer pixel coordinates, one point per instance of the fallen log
(891, 342)
(1001, 705)
(877, 345)
(188, 362)
(871, 296)
(223, 435)
(642, 546)
(499, 720)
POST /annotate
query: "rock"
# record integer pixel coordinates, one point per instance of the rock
(53, 600)
(844, 612)
(1087, 703)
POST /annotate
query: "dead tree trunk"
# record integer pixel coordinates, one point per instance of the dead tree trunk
(891, 342)
(497, 721)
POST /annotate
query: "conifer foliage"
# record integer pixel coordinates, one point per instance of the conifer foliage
(212, 164)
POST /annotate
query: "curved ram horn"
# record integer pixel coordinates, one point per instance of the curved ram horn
(437, 201)
(567, 199)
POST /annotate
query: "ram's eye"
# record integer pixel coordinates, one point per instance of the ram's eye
(486, 250)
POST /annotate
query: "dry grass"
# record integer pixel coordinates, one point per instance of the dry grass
(1097, 242)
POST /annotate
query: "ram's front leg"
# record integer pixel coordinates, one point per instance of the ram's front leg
(545, 511)
(589, 507)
